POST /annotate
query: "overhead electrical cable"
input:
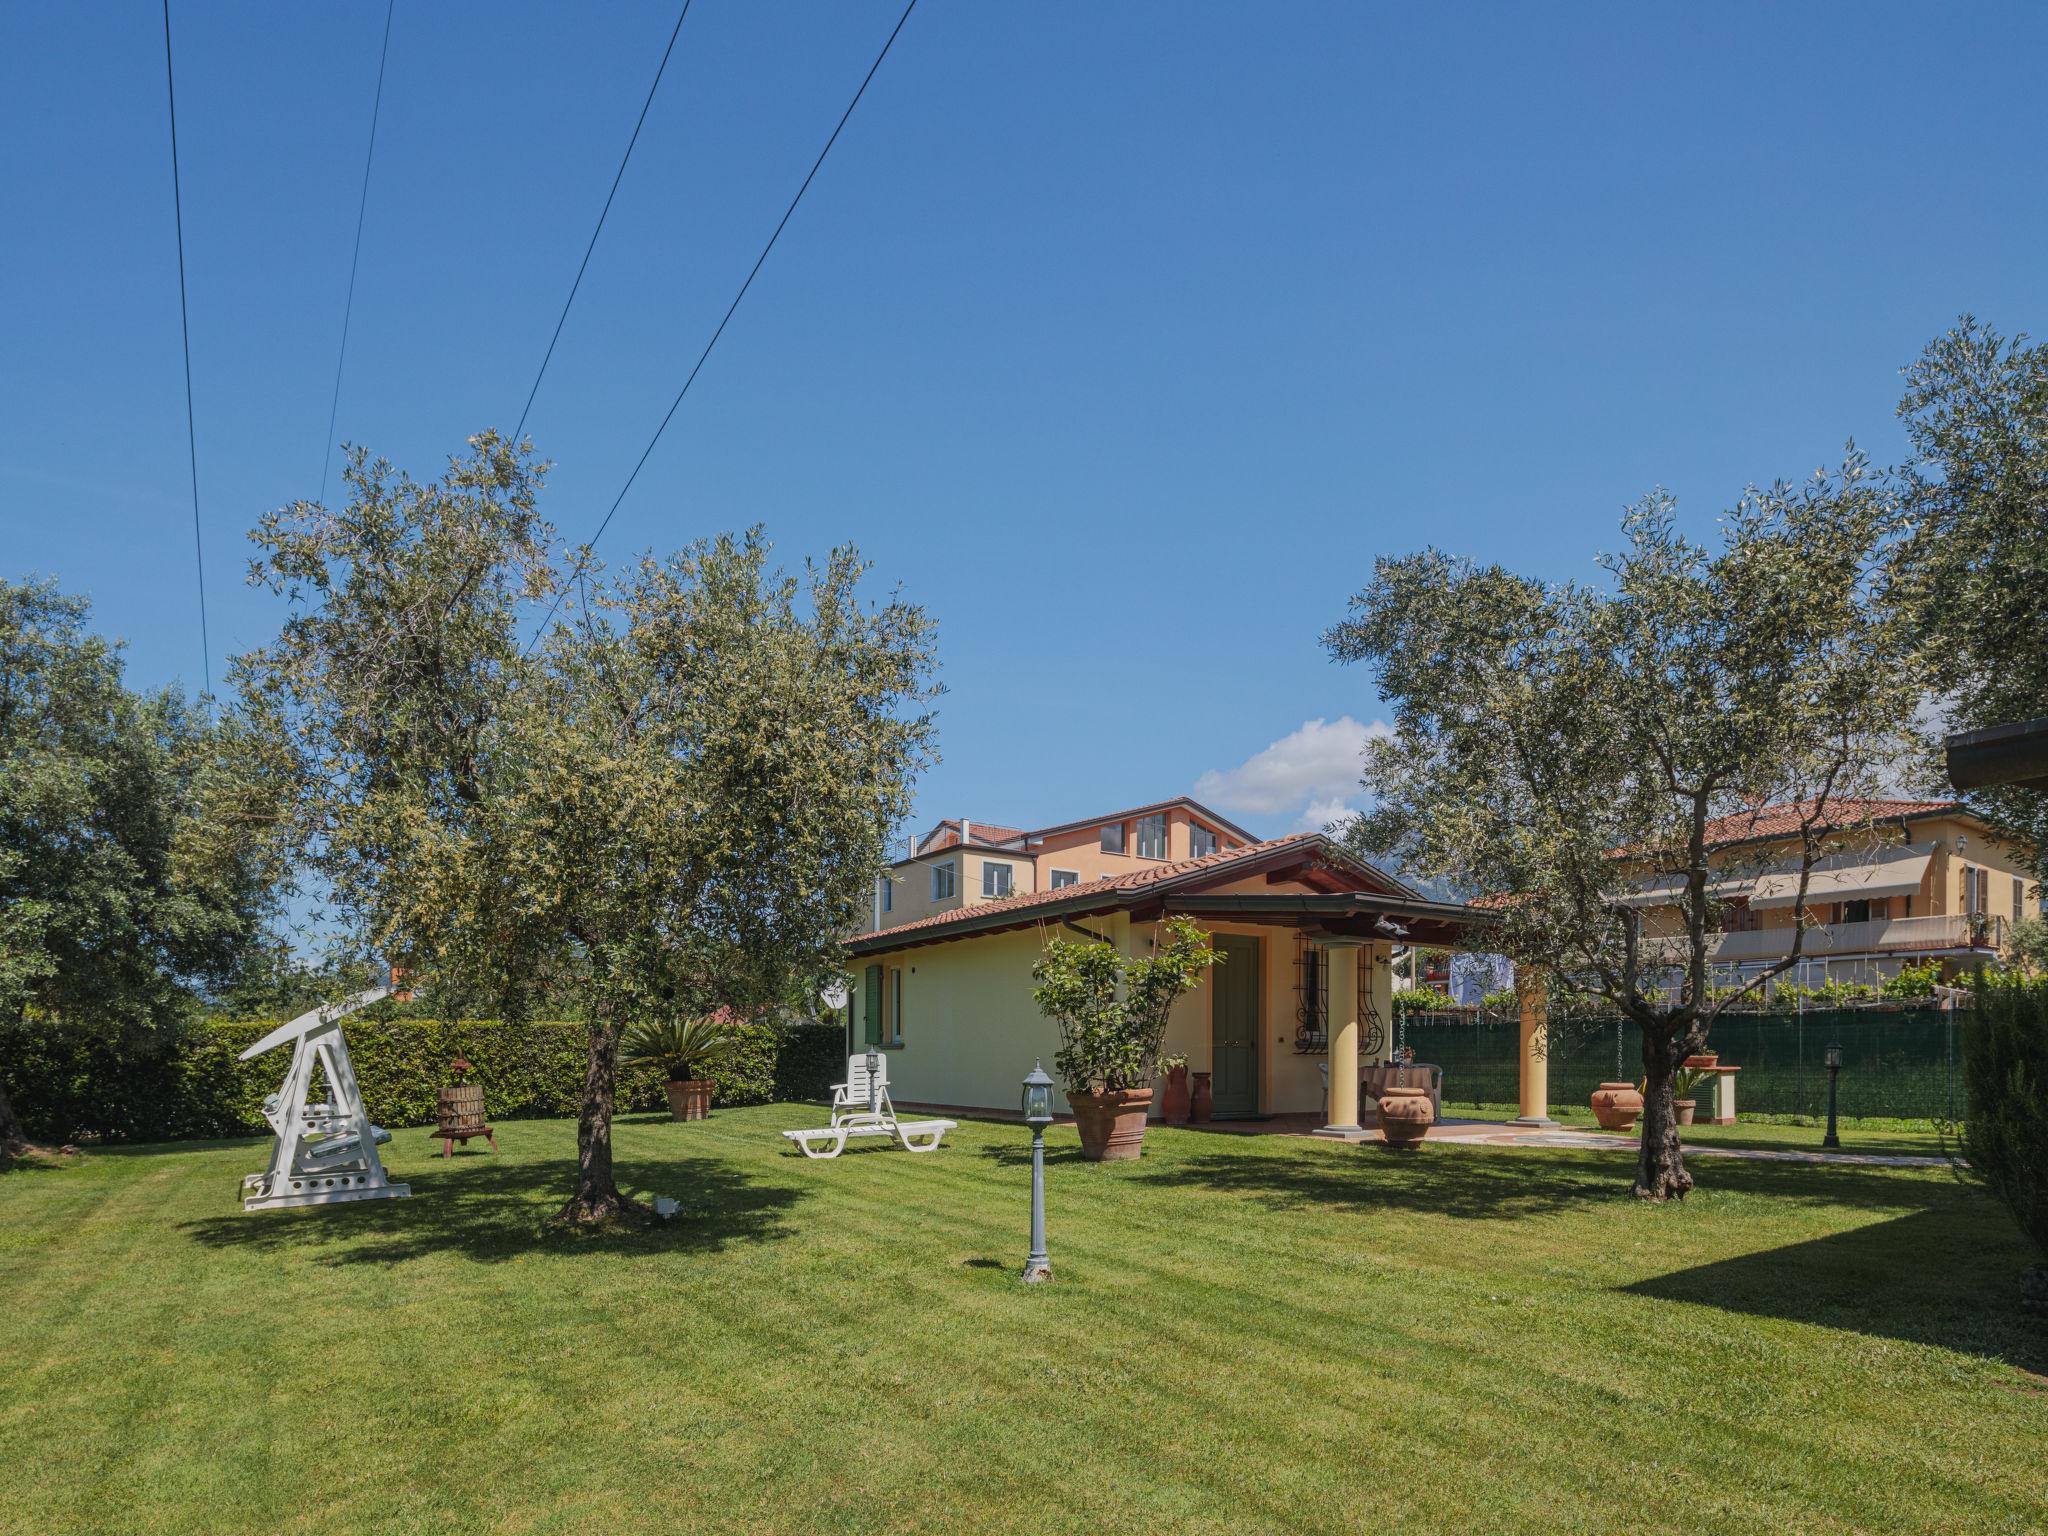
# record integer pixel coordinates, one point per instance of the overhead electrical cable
(185, 327)
(752, 273)
(603, 213)
(362, 206)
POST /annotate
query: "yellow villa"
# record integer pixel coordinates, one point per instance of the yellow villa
(1909, 882)
(1305, 933)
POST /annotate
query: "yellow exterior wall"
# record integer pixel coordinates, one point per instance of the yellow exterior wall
(1941, 889)
(971, 1029)
(911, 882)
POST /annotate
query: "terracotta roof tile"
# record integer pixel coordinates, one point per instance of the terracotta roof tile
(1770, 821)
(1137, 879)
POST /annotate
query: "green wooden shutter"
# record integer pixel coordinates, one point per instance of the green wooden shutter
(874, 1005)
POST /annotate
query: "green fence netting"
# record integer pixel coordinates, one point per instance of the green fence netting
(1895, 1064)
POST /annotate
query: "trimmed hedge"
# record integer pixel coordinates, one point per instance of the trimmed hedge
(2005, 1073)
(69, 1084)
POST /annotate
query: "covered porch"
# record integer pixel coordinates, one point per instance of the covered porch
(1336, 1010)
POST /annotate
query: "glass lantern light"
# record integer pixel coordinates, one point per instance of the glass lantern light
(1037, 1096)
(1832, 1059)
(1037, 1115)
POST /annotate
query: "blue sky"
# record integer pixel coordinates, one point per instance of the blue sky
(1123, 336)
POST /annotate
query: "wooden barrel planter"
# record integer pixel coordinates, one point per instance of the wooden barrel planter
(459, 1111)
(462, 1109)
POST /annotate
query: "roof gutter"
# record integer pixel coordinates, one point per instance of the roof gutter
(2000, 754)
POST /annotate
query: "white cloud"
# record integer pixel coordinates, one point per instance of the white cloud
(1312, 771)
(1321, 814)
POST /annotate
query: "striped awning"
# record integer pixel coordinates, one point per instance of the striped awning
(1853, 875)
(1669, 890)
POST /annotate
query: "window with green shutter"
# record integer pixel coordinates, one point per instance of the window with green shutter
(873, 1011)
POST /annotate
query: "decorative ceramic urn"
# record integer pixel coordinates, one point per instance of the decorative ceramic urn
(1616, 1106)
(1405, 1117)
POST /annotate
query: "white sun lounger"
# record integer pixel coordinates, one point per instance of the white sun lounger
(861, 1107)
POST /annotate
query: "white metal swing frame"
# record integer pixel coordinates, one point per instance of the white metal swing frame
(325, 1153)
(861, 1107)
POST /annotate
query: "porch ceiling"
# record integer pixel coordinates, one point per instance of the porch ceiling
(1352, 914)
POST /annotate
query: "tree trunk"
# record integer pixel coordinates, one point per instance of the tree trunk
(13, 1140)
(1660, 1167)
(597, 1198)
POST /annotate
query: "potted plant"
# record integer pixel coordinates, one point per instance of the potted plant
(683, 1048)
(1111, 1011)
(1176, 1105)
(1684, 1084)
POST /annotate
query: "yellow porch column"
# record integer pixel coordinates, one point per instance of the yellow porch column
(1340, 958)
(1530, 995)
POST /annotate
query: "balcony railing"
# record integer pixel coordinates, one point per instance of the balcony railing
(1882, 935)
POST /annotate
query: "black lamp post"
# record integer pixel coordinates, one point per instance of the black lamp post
(1037, 1115)
(1832, 1059)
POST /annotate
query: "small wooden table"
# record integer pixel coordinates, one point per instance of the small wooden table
(449, 1136)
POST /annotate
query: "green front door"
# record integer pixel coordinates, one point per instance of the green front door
(1234, 990)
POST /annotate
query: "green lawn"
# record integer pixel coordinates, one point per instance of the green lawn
(1246, 1334)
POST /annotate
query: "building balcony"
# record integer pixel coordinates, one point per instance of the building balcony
(1940, 934)
(1944, 934)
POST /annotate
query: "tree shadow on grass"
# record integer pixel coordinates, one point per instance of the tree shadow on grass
(1902, 1279)
(1457, 1183)
(491, 1211)
(1018, 1154)
(1493, 1184)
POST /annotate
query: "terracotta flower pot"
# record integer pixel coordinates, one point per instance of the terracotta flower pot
(1405, 1117)
(690, 1100)
(1686, 1109)
(1616, 1106)
(1202, 1100)
(1112, 1125)
(1176, 1103)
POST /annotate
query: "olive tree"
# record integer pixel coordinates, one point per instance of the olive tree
(677, 795)
(1562, 748)
(1971, 574)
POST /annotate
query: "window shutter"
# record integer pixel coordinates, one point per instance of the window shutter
(874, 1005)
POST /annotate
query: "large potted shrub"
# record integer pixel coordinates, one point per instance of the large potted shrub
(1111, 1011)
(684, 1048)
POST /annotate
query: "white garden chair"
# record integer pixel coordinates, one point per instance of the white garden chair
(861, 1107)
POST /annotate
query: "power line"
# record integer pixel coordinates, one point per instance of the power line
(754, 272)
(185, 326)
(362, 205)
(602, 215)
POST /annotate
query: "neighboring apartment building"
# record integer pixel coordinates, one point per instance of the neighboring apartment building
(1911, 881)
(960, 863)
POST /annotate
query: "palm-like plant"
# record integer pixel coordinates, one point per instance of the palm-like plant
(683, 1046)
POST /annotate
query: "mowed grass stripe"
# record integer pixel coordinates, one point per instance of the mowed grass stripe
(1245, 1334)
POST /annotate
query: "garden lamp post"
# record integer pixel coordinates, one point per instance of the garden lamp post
(1037, 1115)
(1832, 1059)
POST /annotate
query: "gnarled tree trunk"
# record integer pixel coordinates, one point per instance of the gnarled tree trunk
(1660, 1166)
(597, 1198)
